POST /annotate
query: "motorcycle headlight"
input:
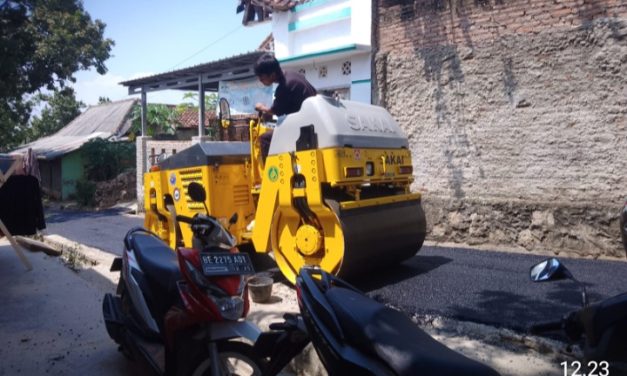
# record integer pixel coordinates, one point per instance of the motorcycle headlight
(231, 308)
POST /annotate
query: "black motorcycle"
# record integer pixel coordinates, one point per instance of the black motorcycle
(355, 335)
(600, 328)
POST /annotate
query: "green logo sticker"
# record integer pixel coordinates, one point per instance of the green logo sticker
(273, 173)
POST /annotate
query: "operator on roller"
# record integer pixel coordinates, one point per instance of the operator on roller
(293, 88)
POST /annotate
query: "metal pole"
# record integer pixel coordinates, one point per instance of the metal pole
(201, 107)
(144, 112)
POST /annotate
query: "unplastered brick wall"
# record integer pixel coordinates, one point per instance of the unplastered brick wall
(516, 113)
(149, 152)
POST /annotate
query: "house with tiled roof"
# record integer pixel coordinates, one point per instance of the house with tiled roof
(187, 125)
(187, 122)
(329, 41)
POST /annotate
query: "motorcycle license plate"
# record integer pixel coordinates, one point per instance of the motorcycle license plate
(225, 263)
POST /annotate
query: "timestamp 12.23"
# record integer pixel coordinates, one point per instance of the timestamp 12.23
(591, 368)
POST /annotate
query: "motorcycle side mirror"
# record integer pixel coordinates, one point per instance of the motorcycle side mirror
(552, 270)
(196, 192)
(549, 270)
(232, 220)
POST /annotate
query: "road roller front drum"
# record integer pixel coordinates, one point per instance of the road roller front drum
(354, 240)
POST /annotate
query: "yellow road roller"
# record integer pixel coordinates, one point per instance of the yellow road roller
(334, 191)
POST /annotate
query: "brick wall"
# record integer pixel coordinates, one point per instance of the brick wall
(148, 151)
(517, 116)
(405, 25)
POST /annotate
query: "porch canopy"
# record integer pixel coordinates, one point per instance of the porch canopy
(201, 78)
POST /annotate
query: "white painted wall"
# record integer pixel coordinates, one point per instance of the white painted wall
(361, 21)
(360, 67)
(316, 32)
(333, 79)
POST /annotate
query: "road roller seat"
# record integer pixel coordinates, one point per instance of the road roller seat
(324, 122)
(206, 154)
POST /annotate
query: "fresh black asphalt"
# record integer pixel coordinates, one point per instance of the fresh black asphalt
(480, 286)
(490, 287)
(103, 229)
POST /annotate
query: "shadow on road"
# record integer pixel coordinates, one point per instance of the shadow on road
(57, 216)
(416, 265)
(516, 311)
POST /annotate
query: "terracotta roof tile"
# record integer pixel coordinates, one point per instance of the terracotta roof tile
(189, 118)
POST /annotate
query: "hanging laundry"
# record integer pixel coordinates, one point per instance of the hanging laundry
(21, 209)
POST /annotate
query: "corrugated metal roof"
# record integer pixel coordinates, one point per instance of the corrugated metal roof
(104, 121)
(107, 117)
(230, 65)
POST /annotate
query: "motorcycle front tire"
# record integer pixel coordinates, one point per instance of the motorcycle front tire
(237, 358)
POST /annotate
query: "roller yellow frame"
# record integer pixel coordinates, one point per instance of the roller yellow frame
(343, 208)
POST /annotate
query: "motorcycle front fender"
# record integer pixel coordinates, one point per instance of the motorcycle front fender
(234, 329)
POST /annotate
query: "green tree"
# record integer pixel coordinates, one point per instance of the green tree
(104, 159)
(211, 101)
(60, 109)
(160, 119)
(42, 44)
(103, 100)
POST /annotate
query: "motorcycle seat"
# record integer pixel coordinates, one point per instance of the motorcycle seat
(158, 262)
(383, 332)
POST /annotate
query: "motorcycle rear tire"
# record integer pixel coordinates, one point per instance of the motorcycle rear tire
(248, 362)
(121, 292)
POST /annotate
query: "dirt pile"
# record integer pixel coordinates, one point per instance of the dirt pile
(122, 188)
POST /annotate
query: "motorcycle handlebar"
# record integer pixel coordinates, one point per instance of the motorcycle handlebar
(184, 218)
(281, 326)
(548, 326)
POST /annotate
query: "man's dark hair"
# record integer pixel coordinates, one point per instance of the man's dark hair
(267, 64)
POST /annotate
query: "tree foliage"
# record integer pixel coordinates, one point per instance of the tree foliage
(160, 119)
(163, 119)
(104, 159)
(60, 109)
(211, 101)
(42, 44)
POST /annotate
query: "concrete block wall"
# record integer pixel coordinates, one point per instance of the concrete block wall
(517, 117)
(148, 151)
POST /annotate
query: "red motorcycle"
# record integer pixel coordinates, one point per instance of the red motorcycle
(184, 312)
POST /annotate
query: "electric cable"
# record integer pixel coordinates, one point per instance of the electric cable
(207, 46)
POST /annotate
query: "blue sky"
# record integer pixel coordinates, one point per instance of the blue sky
(156, 36)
